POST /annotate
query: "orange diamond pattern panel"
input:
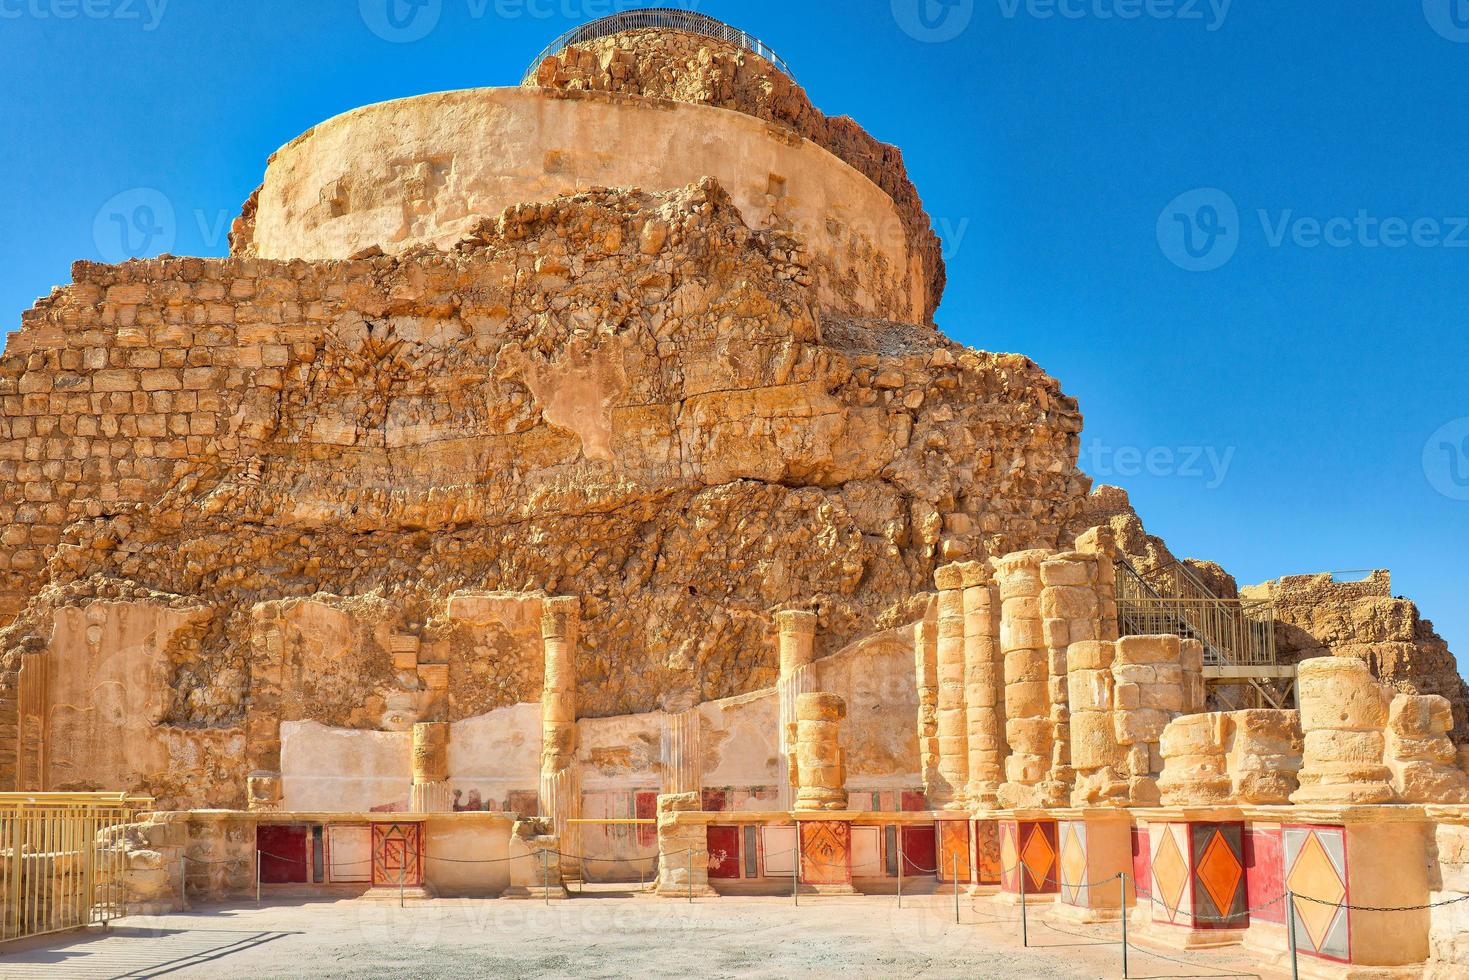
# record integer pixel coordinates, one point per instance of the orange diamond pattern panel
(1009, 857)
(826, 852)
(1219, 874)
(1073, 863)
(1170, 871)
(1314, 874)
(1038, 855)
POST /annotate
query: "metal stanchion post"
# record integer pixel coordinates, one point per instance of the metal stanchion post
(956, 889)
(795, 877)
(690, 858)
(402, 871)
(546, 876)
(183, 883)
(1024, 926)
(257, 877)
(1290, 932)
(900, 875)
(1123, 879)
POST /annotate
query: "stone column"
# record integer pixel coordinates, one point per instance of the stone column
(796, 632)
(925, 663)
(1424, 763)
(683, 752)
(1028, 727)
(1069, 614)
(821, 771)
(951, 721)
(430, 793)
(984, 686)
(683, 848)
(1148, 691)
(1195, 761)
(1343, 715)
(559, 791)
(1100, 762)
(1101, 542)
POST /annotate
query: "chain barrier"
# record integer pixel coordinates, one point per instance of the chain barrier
(1377, 908)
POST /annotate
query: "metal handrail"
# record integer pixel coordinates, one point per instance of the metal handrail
(1234, 632)
(669, 18)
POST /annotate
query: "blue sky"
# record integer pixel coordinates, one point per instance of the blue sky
(1236, 231)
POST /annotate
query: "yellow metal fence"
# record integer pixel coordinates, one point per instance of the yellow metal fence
(63, 860)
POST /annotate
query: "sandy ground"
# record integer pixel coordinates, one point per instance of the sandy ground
(612, 935)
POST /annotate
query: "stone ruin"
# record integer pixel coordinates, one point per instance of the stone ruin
(577, 469)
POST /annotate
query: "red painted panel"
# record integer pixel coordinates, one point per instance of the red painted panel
(724, 851)
(1265, 874)
(1142, 862)
(920, 850)
(646, 804)
(282, 854)
(914, 801)
(715, 800)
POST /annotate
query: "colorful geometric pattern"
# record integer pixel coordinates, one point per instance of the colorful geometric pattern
(826, 852)
(1075, 889)
(1316, 867)
(1010, 856)
(724, 851)
(987, 852)
(1265, 874)
(397, 854)
(953, 838)
(1219, 876)
(1170, 870)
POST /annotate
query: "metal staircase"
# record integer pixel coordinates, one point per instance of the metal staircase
(1238, 634)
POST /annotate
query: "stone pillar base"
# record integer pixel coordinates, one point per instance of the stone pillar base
(804, 889)
(1075, 914)
(1012, 900)
(681, 890)
(1163, 937)
(982, 891)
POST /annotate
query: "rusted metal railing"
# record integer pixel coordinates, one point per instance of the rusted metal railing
(667, 18)
(62, 860)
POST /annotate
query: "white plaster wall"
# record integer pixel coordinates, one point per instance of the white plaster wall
(341, 770)
(496, 753)
(741, 747)
(620, 753)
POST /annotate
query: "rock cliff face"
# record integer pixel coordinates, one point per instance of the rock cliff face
(619, 395)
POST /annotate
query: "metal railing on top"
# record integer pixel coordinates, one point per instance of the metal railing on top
(670, 18)
(62, 861)
(1235, 632)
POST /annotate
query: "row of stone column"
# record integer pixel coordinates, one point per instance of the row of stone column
(1022, 681)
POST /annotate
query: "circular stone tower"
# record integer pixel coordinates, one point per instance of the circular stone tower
(651, 99)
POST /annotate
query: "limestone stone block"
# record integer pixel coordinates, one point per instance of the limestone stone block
(1148, 650)
(1091, 655)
